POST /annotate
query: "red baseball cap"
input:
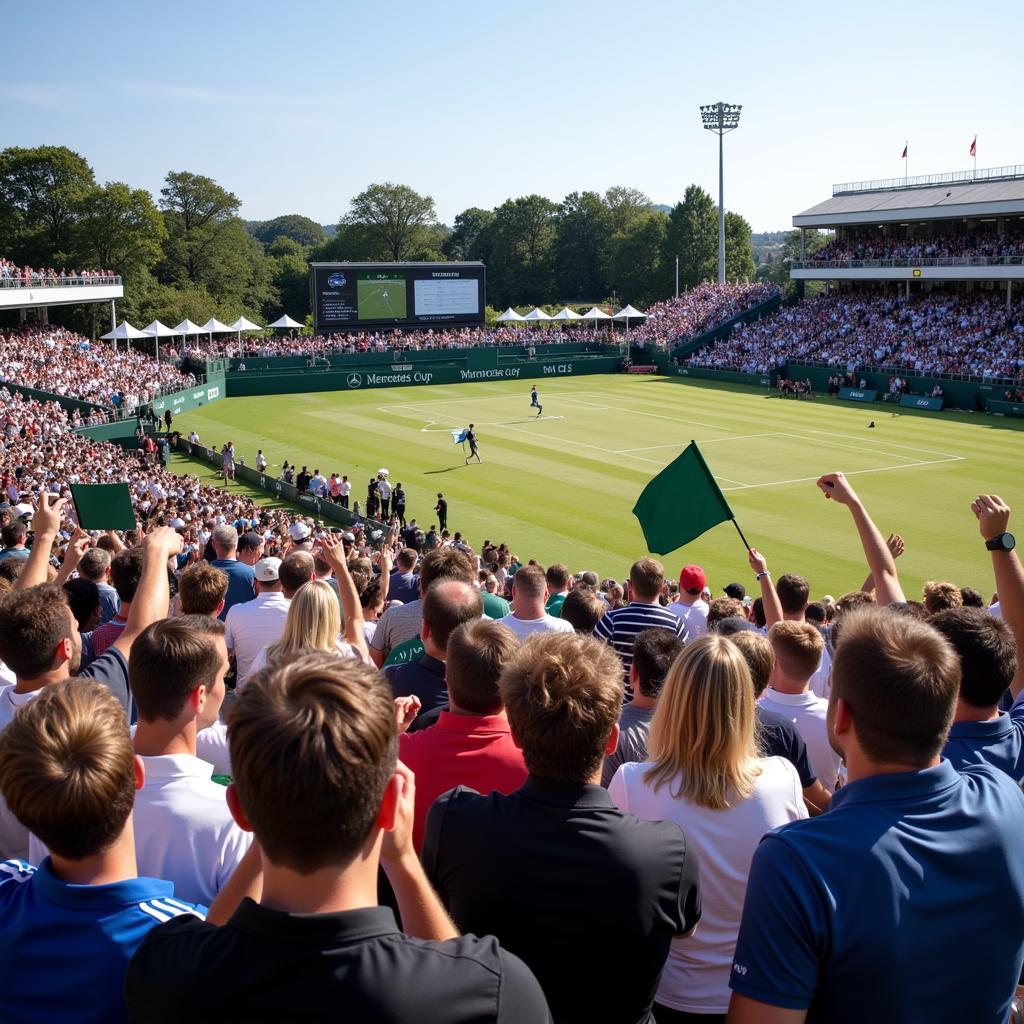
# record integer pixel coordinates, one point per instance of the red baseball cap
(692, 578)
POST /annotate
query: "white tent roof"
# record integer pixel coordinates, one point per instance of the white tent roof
(509, 314)
(629, 313)
(159, 330)
(214, 326)
(241, 324)
(286, 321)
(536, 314)
(187, 327)
(124, 330)
(565, 313)
(595, 314)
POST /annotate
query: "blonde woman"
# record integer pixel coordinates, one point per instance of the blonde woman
(706, 775)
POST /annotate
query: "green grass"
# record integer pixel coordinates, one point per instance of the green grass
(561, 487)
(379, 297)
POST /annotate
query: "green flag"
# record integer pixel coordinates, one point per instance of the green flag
(103, 506)
(680, 503)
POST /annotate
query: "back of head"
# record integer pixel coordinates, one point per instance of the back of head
(32, 623)
(313, 745)
(225, 540)
(67, 768)
(971, 598)
(986, 650)
(793, 592)
(125, 573)
(84, 599)
(583, 609)
(406, 560)
(940, 596)
(850, 602)
(815, 613)
(202, 589)
(757, 651)
(724, 608)
(313, 620)
(562, 693)
(295, 571)
(529, 581)
(702, 736)
(646, 578)
(169, 659)
(94, 565)
(797, 647)
(654, 650)
(477, 652)
(13, 533)
(899, 679)
(557, 577)
(448, 604)
(446, 564)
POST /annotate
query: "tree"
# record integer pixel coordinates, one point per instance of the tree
(739, 253)
(394, 218)
(469, 239)
(120, 229)
(291, 225)
(199, 216)
(692, 235)
(625, 206)
(41, 191)
(635, 263)
(290, 275)
(582, 229)
(522, 238)
(777, 270)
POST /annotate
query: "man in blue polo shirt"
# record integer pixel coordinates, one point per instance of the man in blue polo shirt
(905, 902)
(241, 577)
(69, 927)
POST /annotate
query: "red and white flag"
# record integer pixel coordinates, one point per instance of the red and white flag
(974, 146)
(904, 156)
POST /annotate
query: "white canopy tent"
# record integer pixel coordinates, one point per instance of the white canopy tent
(628, 313)
(595, 314)
(241, 324)
(123, 330)
(214, 326)
(565, 313)
(509, 314)
(536, 314)
(286, 322)
(186, 328)
(156, 330)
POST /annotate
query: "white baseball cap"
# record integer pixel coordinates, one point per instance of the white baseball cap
(298, 531)
(267, 570)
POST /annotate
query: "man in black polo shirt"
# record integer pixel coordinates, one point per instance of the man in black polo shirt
(588, 896)
(317, 946)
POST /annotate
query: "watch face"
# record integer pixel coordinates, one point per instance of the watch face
(1009, 541)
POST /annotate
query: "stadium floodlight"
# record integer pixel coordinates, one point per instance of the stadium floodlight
(721, 118)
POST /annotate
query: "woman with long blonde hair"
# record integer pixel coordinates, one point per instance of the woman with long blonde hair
(706, 775)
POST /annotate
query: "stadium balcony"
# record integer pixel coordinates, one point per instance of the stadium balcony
(16, 293)
(943, 268)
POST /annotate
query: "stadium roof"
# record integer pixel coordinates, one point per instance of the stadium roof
(988, 193)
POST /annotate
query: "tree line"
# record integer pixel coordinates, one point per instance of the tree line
(188, 252)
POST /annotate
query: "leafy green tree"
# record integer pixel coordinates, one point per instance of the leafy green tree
(739, 253)
(291, 225)
(635, 266)
(522, 241)
(394, 220)
(120, 229)
(625, 205)
(777, 270)
(290, 276)
(582, 230)
(41, 192)
(469, 239)
(692, 235)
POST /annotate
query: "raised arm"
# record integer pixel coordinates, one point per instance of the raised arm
(894, 542)
(334, 555)
(993, 517)
(881, 563)
(78, 545)
(769, 598)
(153, 593)
(45, 527)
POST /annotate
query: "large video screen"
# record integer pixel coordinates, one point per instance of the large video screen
(349, 296)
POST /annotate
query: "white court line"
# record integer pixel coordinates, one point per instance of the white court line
(892, 444)
(853, 472)
(849, 447)
(582, 444)
(707, 440)
(652, 415)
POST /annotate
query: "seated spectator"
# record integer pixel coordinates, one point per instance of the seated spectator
(470, 744)
(859, 953)
(654, 651)
(316, 779)
(202, 590)
(528, 616)
(68, 774)
(526, 866)
(14, 536)
(583, 609)
(723, 608)
(706, 774)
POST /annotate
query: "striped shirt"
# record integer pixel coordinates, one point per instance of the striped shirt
(621, 626)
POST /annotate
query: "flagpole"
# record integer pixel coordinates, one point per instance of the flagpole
(746, 545)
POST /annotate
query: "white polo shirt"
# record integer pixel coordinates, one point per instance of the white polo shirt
(212, 747)
(184, 832)
(526, 627)
(807, 712)
(249, 627)
(694, 615)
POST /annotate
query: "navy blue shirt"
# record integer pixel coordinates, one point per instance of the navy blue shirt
(241, 583)
(904, 902)
(423, 678)
(999, 742)
(403, 586)
(777, 737)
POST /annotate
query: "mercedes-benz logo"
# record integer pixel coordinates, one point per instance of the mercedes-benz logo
(354, 380)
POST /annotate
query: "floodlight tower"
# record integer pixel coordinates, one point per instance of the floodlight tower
(721, 118)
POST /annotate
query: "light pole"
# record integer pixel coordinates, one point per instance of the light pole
(721, 118)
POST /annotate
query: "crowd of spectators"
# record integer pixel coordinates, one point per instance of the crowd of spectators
(59, 361)
(975, 245)
(24, 277)
(934, 332)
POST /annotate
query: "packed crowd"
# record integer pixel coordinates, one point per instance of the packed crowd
(934, 332)
(793, 807)
(59, 361)
(678, 320)
(26, 276)
(1000, 246)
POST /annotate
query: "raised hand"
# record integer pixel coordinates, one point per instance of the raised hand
(993, 515)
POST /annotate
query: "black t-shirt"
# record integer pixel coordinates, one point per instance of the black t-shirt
(398, 498)
(589, 896)
(355, 966)
(111, 669)
(423, 678)
(777, 737)
(471, 438)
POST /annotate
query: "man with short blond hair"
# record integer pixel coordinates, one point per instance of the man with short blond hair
(529, 590)
(202, 590)
(940, 596)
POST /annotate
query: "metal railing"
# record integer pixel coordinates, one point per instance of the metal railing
(931, 261)
(924, 180)
(19, 281)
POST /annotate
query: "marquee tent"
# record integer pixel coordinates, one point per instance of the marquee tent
(509, 314)
(214, 326)
(595, 314)
(286, 321)
(628, 313)
(536, 314)
(565, 313)
(123, 330)
(156, 330)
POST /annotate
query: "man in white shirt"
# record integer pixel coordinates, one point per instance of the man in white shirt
(690, 605)
(184, 831)
(797, 647)
(251, 626)
(529, 592)
(344, 489)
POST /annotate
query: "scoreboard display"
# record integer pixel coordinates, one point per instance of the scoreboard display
(351, 296)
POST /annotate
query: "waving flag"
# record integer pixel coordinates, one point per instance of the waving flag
(904, 157)
(974, 146)
(458, 436)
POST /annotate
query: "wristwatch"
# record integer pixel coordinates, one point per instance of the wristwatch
(1002, 542)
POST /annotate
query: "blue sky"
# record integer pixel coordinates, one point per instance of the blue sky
(296, 107)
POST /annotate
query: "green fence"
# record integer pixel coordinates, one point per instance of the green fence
(182, 401)
(921, 402)
(764, 380)
(858, 394)
(1000, 408)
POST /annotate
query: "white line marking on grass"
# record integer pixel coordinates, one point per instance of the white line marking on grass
(707, 440)
(582, 444)
(849, 447)
(853, 472)
(640, 412)
(892, 444)
(432, 428)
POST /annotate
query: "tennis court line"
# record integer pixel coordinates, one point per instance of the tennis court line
(852, 472)
(707, 440)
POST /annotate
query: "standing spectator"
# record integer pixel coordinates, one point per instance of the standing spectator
(404, 584)
(125, 572)
(398, 503)
(529, 590)
(690, 606)
(95, 566)
(241, 577)
(202, 590)
(557, 577)
(249, 627)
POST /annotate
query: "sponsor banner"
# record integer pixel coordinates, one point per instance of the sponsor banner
(1000, 408)
(921, 402)
(183, 401)
(403, 366)
(642, 369)
(858, 394)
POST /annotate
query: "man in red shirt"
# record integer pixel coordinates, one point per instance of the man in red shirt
(471, 744)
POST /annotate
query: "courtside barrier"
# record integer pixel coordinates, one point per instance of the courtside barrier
(858, 394)
(921, 402)
(1001, 408)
